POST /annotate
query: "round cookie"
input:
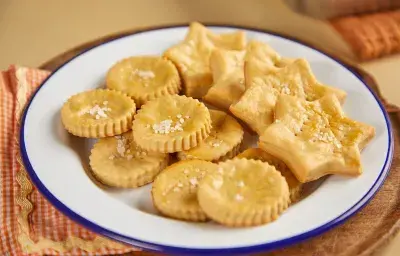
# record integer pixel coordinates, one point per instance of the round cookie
(171, 124)
(98, 113)
(223, 142)
(243, 193)
(119, 162)
(144, 78)
(174, 190)
(295, 186)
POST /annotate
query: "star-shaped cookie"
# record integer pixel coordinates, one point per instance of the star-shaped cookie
(227, 71)
(228, 68)
(257, 104)
(316, 138)
(193, 54)
(260, 60)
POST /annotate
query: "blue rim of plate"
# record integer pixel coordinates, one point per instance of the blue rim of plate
(227, 251)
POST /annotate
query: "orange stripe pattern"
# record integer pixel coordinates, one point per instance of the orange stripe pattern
(371, 35)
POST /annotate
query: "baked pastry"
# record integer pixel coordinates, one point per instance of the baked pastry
(316, 138)
(144, 78)
(228, 77)
(171, 124)
(98, 113)
(261, 59)
(258, 154)
(223, 142)
(256, 106)
(118, 162)
(193, 54)
(243, 192)
(174, 191)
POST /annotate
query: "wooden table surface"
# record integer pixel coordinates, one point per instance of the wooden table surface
(32, 32)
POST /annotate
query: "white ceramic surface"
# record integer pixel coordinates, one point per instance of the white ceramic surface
(56, 160)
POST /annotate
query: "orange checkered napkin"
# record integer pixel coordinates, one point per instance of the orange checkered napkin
(30, 225)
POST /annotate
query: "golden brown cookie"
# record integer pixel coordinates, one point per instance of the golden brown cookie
(243, 192)
(316, 138)
(193, 54)
(119, 162)
(228, 77)
(174, 191)
(98, 113)
(261, 60)
(258, 154)
(223, 142)
(256, 106)
(171, 123)
(144, 78)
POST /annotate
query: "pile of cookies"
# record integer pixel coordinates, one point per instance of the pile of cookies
(192, 152)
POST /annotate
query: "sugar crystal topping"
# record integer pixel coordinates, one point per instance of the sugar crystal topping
(217, 183)
(285, 90)
(169, 126)
(238, 197)
(97, 111)
(124, 151)
(193, 181)
(144, 74)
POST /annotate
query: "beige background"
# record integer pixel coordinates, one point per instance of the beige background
(32, 32)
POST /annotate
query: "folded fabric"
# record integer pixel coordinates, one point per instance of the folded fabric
(30, 225)
(372, 35)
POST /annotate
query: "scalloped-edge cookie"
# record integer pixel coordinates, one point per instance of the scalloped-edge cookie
(171, 123)
(223, 142)
(295, 186)
(192, 56)
(118, 162)
(243, 192)
(174, 190)
(144, 78)
(98, 113)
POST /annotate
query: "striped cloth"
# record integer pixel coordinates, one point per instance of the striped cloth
(371, 35)
(29, 225)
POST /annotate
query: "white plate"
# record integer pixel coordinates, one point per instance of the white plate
(56, 161)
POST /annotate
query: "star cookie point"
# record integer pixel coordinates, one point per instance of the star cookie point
(257, 104)
(228, 77)
(193, 54)
(316, 138)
